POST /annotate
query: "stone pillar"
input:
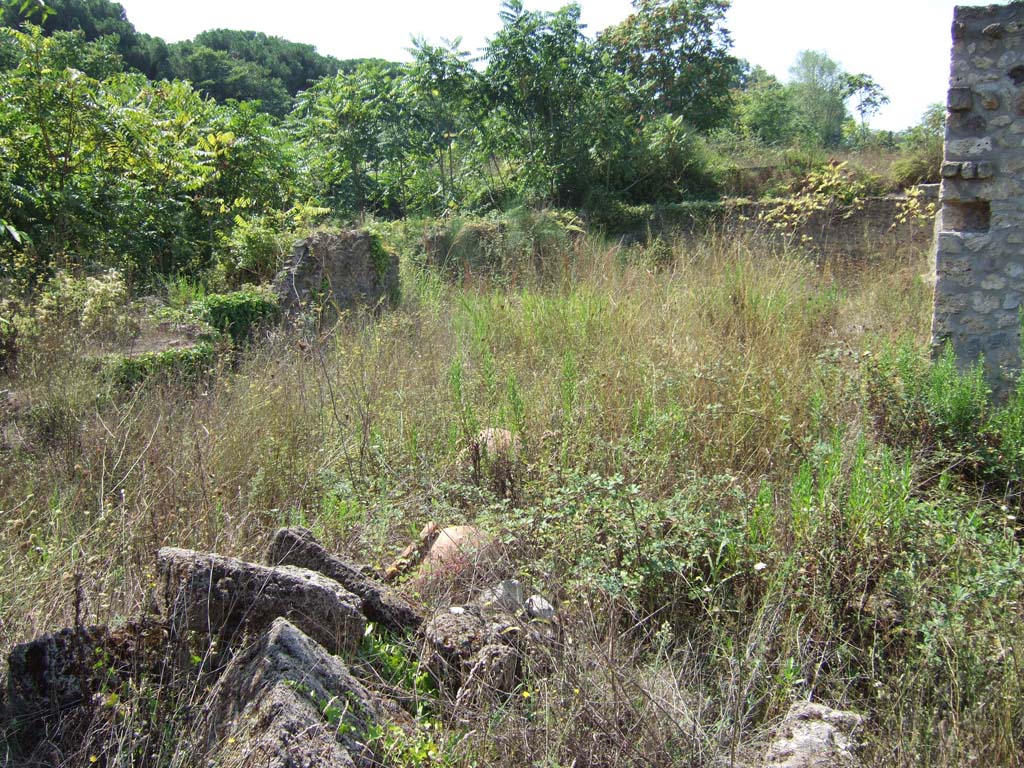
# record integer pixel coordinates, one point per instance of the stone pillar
(979, 248)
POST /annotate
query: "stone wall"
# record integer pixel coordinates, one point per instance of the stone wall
(338, 270)
(873, 228)
(979, 256)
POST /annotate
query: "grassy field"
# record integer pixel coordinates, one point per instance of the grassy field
(744, 484)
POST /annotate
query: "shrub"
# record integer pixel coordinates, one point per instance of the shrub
(948, 414)
(94, 306)
(239, 313)
(919, 166)
(8, 334)
(517, 242)
(187, 365)
(255, 249)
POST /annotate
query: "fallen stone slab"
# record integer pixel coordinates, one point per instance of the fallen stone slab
(54, 681)
(285, 701)
(53, 673)
(298, 547)
(224, 596)
(815, 736)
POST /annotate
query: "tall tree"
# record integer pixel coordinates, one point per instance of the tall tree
(556, 104)
(440, 91)
(820, 89)
(679, 49)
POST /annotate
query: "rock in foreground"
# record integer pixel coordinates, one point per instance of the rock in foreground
(285, 701)
(815, 736)
(298, 547)
(221, 595)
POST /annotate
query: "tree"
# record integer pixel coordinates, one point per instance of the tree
(348, 127)
(440, 94)
(867, 93)
(221, 76)
(766, 109)
(226, 64)
(119, 171)
(820, 89)
(679, 51)
(556, 103)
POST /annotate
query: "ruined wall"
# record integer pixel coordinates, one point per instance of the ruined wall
(979, 258)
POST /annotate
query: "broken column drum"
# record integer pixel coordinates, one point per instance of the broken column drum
(979, 252)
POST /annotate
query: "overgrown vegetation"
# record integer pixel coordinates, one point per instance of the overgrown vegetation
(744, 484)
(104, 167)
(743, 480)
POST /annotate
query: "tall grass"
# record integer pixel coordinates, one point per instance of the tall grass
(708, 494)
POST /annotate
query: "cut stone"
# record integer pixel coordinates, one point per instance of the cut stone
(298, 547)
(223, 596)
(285, 701)
(960, 100)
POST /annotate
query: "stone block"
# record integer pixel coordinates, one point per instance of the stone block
(989, 100)
(285, 701)
(53, 672)
(298, 547)
(960, 100)
(993, 282)
(224, 596)
(972, 147)
(984, 303)
(342, 270)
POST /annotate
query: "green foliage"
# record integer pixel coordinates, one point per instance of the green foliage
(238, 314)
(123, 172)
(396, 662)
(251, 65)
(921, 159)
(222, 63)
(519, 243)
(440, 93)
(559, 115)
(832, 189)
(767, 109)
(602, 531)
(819, 92)
(937, 408)
(91, 308)
(348, 127)
(679, 51)
(253, 252)
(186, 365)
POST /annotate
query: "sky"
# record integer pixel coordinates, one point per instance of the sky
(903, 44)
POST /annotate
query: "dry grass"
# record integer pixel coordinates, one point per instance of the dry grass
(710, 384)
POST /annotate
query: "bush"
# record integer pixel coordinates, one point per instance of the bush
(8, 335)
(920, 166)
(187, 365)
(948, 414)
(238, 314)
(255, 249)
(96, 307)
(520, 241)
